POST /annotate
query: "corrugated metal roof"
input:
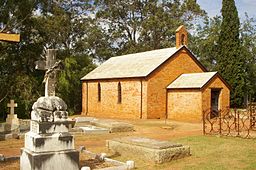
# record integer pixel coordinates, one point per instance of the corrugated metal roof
(131, 65)
(192, 80)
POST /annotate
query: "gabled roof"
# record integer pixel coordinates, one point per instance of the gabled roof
(192, 80)
(131, 65)
(136, 65)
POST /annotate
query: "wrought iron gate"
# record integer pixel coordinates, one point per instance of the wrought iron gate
(231, 122)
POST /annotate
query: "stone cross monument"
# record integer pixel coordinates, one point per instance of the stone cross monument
(12, 119)
(12, 105)
(48, 144)
(51, 66)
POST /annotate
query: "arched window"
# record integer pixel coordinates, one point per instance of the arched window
(182, 39)
(99, 92)
(119, 93)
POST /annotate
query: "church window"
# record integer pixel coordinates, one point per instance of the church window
(99, 92)
(119, 97)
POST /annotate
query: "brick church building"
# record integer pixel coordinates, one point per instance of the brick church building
(165, 83)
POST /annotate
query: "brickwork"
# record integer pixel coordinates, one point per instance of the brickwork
(130, 107)
(185, 105)
(147, 97)
(189, 104)
(181, 37)
(162, 77)
(223, 98)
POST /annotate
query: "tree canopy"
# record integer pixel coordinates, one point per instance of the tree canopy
(88, 32)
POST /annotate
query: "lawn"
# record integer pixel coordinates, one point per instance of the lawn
(208, 152)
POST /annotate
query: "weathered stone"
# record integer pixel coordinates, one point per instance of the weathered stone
(12, 120)
(67, 159)
(94, 130)
(149, 149)
(49, 108)
(44, 143)
(113, 125)
(48, 144)
(85, 168)
(2, 157)
(130, 164)
(51, 127)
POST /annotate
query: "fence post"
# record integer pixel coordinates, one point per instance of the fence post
(220, 121)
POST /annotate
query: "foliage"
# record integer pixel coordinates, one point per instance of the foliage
(69, 85)
(204, 43)
(248, 51)
(136, 26)
(41, 25)
(88, 32)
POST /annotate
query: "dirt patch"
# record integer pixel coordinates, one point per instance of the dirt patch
(156, 129)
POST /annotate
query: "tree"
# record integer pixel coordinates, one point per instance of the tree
(205, 42)
(248, 38)
(230, 62)
(136, 26)
(69, 85)
(17, 78)
(42, 24)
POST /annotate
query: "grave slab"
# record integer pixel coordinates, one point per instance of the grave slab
(149, 149)
(94, 130)
(112, 125)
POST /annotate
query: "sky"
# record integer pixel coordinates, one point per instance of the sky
(213, 7)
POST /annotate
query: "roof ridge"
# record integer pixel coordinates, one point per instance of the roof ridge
(143, 52)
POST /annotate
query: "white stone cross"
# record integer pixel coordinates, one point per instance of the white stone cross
(12, 105)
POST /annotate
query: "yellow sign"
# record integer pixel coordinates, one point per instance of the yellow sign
(10, 37)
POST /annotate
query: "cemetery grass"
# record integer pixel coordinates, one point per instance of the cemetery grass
(208, 152)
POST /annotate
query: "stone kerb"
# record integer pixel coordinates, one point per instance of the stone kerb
(149, 149)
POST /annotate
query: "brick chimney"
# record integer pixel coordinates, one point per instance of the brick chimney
(181, 36)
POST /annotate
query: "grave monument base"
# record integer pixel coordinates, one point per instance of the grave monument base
(60, 160)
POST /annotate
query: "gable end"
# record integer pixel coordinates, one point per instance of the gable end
(179, 50)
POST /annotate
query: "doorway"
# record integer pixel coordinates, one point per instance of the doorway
(215, 94)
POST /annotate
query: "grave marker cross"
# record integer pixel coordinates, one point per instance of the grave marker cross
(12, 105)
(51, 66)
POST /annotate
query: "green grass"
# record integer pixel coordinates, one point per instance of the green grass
(210, 153)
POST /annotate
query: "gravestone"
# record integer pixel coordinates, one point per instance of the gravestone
(48, 144)
(12, 121)
(148, 149)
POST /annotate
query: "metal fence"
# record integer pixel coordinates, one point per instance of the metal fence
(231, 122)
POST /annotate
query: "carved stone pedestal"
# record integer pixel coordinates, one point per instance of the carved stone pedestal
(49, 145)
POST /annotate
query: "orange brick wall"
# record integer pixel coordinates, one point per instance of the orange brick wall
(108, 106)
(162, 77)
(224, 97)
(185, 105)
